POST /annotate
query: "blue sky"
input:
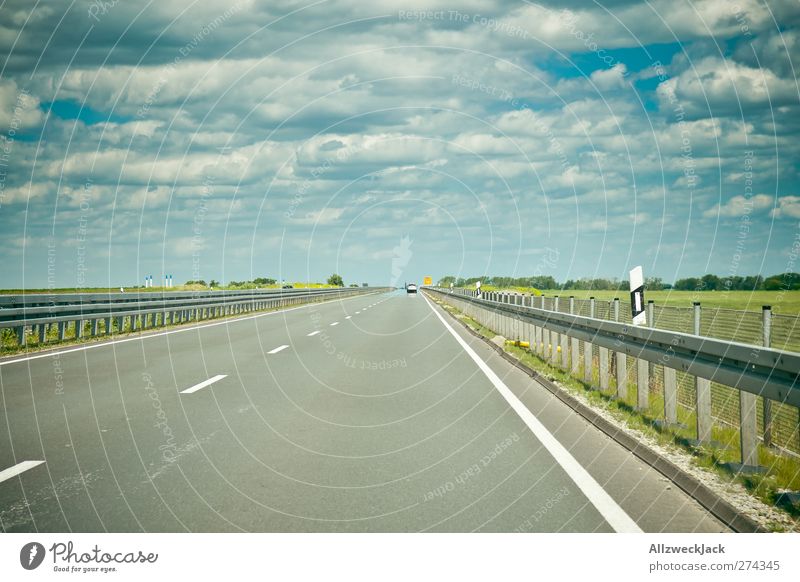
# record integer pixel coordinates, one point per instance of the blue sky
(391, 140)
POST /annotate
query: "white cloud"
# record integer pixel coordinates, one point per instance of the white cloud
(788, 207)
(739, 206)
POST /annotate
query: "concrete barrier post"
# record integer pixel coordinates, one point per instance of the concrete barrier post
(546, 343)
(554, 339)
(621, 362)
(587, 350)
(575, 356)
(766, 330)
(702, 394)
(643, 371)
(670, 396)
(748, 427)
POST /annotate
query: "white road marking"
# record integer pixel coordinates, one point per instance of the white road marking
(313, 333)
(278, 349)
(594, 492)
(348, 317)
(139, 338)
(17, 469)
(334, 323)
(203, 384)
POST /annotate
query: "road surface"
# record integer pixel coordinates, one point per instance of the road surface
(374, 413)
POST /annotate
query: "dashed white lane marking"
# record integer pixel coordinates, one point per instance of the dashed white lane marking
(203, 384)
(594, 492)
(313, 333)
(17, 469)
(334, 323)
(348, 317)
(278, 349)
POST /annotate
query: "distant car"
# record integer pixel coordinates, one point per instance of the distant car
(411, 288)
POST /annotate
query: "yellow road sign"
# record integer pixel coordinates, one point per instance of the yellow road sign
(427, 281)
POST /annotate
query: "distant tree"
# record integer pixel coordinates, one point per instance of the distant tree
(197, 282)
(688, 284)
(445, 281)
(213, 283)
(353, 285)
(335, 280)
(264, 281)
(783, 282)
(711, 282)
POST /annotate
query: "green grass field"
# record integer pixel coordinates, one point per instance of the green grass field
(783, 302)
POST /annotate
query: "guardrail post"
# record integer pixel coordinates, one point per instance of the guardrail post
(78, 329)
(540, 332)
(62, 330)
(21, 336)
(575, 346)
(603, 365)
(748, 427)
(670, 396)
(42, 329)
(766, 331)
(134, 322)
(108, 325)
(94, 326)
(702, 394)
(546, 343)
(643, 370)
(121, 323)
(504, 324)
(529, 328)
(587, 349)
(554, 339)
(621, 362)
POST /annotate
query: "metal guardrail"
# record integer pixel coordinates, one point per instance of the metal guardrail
(95, 314)
(753, 370)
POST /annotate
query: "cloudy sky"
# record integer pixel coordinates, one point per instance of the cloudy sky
(388, 140)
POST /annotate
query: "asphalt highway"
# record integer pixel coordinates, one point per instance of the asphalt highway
(374, 413)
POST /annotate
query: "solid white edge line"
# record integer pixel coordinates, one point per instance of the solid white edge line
(312, 333)
(278, 349)
(137, 338)
(7, 474)
(203, 384)
(594, 492)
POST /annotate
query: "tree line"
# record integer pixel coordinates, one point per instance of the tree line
(783, 281)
